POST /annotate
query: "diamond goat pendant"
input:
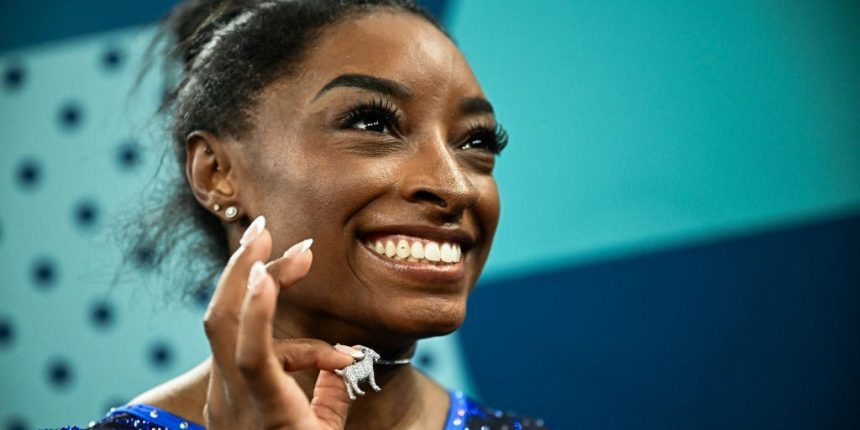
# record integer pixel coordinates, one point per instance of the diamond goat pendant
(359, 371)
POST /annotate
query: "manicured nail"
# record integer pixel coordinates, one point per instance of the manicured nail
(256, 277)
(358, 355)
(299, 248)
(253, 230)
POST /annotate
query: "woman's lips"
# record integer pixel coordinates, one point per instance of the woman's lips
(422, 271)
(415, 249)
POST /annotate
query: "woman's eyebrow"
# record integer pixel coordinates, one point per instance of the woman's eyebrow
(368, 82)
(475, 105)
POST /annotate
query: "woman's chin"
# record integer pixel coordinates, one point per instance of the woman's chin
(435, 317)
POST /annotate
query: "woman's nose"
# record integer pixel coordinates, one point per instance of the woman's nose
(436, 179)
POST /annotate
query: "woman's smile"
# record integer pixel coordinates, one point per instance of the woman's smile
(427, 255)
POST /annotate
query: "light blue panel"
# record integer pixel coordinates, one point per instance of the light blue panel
(640, 125)
(78, 166)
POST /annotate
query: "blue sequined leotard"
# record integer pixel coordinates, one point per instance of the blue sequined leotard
(464, 414)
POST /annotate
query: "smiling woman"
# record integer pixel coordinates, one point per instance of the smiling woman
(339, 157)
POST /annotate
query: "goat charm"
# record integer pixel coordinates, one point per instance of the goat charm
(359, 371)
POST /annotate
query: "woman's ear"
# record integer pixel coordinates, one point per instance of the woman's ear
(207, 168)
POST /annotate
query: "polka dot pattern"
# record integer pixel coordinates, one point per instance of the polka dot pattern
(70, 115)
(13, 77)
(128, 156)
(7, 333)
(160, 355)
(16, 423)
(112, 58)
(59, 373)
(86, 215)
(143, 258)
(28, 174)
(102, 314)
(44, 273)
(79, 332)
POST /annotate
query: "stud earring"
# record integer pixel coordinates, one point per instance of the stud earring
(231, 212)
(216, 207)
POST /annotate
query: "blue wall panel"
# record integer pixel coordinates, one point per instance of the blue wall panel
(759, 332)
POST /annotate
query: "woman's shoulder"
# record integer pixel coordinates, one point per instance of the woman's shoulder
(467, 413)
(140, 417)
(464, 413)
(157, 408)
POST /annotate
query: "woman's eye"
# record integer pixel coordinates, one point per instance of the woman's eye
(486, 139)
(481, 140)
(377, 116)
(371, 122)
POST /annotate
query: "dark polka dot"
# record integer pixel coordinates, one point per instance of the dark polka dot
(112, 58)
(28, 173)
(16, 423)
(143, 258)
(160, 355)
(102, 314)
(128, 156)
(425, 360)
(70, 115)
(7, 333)
(59, 373)
(13, 77)
(44, 273)
(202, 296)
(86, 214)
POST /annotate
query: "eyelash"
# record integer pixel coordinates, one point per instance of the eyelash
(381, 108)
(386, 113)
(497, 137)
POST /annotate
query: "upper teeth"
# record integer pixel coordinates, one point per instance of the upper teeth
(417, 250)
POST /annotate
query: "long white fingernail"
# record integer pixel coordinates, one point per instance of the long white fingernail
(348, 350)
(299, 248)
(253, 230)
(256, 277)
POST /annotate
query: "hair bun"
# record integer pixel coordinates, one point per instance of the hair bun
(193, 23)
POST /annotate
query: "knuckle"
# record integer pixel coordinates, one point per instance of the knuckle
(248, 363)
(214, 321)
(286, 359)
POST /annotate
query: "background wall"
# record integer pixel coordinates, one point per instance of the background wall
(680, 229)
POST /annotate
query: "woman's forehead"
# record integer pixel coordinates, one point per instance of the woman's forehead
(398, 46)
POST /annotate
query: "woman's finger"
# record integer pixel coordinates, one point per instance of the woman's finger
(299, 354)
(293, 265)
(280, 400)
(331, 402)
(222, 316)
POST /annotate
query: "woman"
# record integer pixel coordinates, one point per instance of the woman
(342, 152)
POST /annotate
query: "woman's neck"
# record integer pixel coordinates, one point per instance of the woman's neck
(408, 399)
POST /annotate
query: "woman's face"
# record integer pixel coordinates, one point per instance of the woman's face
(383, 135)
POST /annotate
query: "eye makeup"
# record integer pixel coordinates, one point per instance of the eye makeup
(493, 139)
(380, 115)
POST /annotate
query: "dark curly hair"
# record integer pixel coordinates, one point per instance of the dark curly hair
(217, 58)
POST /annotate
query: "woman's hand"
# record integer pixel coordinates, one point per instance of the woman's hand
(249, 387)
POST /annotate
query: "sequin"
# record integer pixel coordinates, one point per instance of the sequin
(465, 413)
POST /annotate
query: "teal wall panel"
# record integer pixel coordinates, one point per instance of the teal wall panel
(640, 125)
